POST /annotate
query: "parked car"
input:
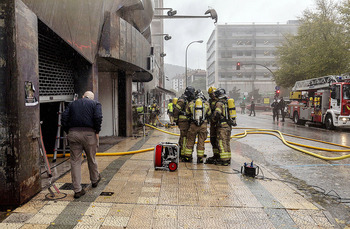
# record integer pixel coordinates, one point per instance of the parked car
(261, 107)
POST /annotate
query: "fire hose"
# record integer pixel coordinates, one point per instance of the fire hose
(247, 131)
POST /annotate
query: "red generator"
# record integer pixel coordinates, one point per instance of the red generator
(166, 156)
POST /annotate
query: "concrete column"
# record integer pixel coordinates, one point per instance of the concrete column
(19, 113)
(128, 100)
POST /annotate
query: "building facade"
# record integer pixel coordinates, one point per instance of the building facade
(253, 46)
(50, 53)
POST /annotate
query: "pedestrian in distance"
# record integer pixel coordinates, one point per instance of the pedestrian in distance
(275, 110)
(282, 107)
(252, 108)
(82, 121)
(242, 106)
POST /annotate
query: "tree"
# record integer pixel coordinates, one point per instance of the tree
(234, 93)
(254, 94)
(320, 48)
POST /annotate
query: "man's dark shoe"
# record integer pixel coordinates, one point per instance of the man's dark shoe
(188, 159)
(94, 185)
(199, 160)
(79, 194)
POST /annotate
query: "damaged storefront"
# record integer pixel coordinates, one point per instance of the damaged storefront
(52, 53)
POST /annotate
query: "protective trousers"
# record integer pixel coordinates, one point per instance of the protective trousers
(183, 126)
(171, 117)
(224, 137)
(213, 139)
(202, 133)
(153, 118)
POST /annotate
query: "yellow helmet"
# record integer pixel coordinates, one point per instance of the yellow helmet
(175, 101)
(211, 90)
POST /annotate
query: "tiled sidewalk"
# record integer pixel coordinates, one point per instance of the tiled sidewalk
(194, 196)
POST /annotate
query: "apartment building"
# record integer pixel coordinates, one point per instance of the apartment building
(254, 47)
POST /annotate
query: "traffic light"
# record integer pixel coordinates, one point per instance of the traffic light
(277, 93)
(238, 66)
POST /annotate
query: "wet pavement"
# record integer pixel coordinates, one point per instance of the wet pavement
(132, 194)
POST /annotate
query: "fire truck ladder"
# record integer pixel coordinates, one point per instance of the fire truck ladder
(317, 83)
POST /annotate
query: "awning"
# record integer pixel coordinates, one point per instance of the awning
(160, 89)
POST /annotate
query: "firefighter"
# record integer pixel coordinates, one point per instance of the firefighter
(213, 128)
(170, 111)
(181, 118)
(199, 110)
(225, 117)
(154, 113)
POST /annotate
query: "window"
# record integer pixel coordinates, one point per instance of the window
(346, 91)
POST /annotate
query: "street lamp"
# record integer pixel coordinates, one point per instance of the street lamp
(166, 36)
(200, 41)
(171, 15)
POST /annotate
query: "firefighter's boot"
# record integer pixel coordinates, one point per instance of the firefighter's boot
(199, 160)
(211, 160)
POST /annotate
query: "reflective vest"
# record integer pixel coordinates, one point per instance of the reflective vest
(170, 107)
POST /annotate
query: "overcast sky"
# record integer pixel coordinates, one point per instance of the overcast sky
(184, 31)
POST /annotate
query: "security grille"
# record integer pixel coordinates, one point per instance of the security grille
(56, 70)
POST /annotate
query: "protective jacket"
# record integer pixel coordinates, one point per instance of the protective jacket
(197, 128)
(213, 129)
(223, 130)
(182, 120)
(170, 108)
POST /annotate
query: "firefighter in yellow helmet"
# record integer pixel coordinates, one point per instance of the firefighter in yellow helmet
(225, 117)
(200, 112)
(181, 118)
(154, 113)
(213, 128)
(170, 111)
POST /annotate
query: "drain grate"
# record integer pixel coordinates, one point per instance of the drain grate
(69, 186)
(106, 193)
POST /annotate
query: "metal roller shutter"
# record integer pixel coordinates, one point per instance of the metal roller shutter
(56, 70)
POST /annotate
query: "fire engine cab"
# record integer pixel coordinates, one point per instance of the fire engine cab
(324, 100)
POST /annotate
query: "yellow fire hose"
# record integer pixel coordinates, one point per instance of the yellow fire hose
(244, 134)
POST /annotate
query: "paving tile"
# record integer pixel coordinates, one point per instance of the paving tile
(32, 206)
(91, 220)
(98, 210)
(54, 208)
(314, 218)
(42, 219)
(147, 200)
(11, 225)
(121, 210)
(18, 217)
(116, 221)
(33, 226)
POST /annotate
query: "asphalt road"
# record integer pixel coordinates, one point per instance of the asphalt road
(325, 181)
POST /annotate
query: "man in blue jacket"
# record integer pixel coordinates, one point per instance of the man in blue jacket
(82, 121)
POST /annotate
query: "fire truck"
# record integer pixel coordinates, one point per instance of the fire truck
(324, 100)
